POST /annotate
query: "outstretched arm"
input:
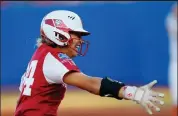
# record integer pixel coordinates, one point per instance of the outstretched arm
(106, 87)
(90, 84)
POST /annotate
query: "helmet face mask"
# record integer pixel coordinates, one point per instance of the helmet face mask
(57, 25)
(83, 51)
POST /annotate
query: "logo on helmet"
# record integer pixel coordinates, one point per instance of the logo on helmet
(59, 23)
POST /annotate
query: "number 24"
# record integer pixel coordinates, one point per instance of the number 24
(28, 79)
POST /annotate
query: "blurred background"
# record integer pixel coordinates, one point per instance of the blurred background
(128, 42)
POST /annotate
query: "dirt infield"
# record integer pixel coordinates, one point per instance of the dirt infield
(81, 103)
(111, 112)
(105, 112)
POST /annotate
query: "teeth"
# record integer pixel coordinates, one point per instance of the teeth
(77, 46)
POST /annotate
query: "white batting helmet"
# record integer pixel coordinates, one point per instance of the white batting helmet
(56, 26)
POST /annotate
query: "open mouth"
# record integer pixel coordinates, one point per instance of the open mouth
(80, 47)
(77, 47)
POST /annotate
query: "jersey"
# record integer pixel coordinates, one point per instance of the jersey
(42, 88)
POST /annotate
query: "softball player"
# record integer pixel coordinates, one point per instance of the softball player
(51, 69)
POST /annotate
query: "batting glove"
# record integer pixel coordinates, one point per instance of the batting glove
(144, 96)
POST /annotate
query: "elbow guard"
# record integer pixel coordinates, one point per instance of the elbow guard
(110, 88)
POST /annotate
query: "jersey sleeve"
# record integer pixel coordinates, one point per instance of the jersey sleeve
(55, 66)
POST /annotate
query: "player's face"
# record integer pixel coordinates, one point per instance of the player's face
(74, 45)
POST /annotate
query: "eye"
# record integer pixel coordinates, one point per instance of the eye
(78, 35)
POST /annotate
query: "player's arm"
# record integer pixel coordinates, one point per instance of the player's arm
(82, 81)
(107, 87)
(91, 84)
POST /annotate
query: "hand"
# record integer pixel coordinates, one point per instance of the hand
(144, 96)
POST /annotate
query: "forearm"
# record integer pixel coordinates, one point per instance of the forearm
(96, 85)
(93, 85)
